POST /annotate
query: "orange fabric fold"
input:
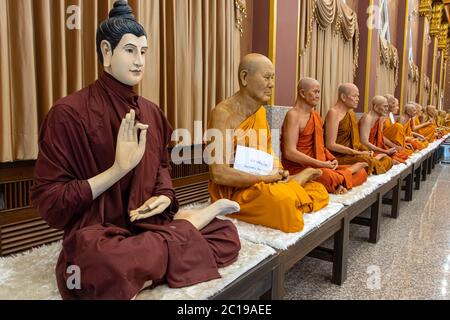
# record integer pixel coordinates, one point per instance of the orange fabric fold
(429, 131)
(396, 133)
(418, 145)
(376, 138)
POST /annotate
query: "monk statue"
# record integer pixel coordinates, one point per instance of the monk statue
(303, 143)
(342, 134)
(406, 119)
(393, 130)
(371, 131)
(275, 200)
(441, 122)
(447, 119)
(424, 126)
(103, 176)
(434, 115)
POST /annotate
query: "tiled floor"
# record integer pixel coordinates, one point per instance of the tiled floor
(411, 260)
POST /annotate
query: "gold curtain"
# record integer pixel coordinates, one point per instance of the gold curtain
(436, 97)
(413, 82)
(387, 69)
(425, 91)
(191, 65)
(329, 39)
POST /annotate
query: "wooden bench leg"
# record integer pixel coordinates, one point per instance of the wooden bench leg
(275, 292)
(424, 170)
(340, 257)
(418, 177)
(395, 209)
(279, 276)
(375, 213)
(430, 164)
(409, 187)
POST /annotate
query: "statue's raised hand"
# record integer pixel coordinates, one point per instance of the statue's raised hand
(130, 150)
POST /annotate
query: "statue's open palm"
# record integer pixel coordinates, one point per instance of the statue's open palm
(130, 150)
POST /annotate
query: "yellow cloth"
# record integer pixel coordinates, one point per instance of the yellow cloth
(418, 145)
(276, 205)
(348, 136)
(395, 132)
(429, 131)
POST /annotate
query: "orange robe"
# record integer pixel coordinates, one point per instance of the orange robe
(275, 205)
(310, 142)
(429, 132)
(376, 138)
(348, 136)
(418, 145)
(395, 132)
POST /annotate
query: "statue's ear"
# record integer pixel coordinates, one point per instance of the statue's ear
(302, 93)
(106, 49)
(244, 77)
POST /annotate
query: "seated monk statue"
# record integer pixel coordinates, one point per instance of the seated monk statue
(342, 134)
(371, 131)
(439, 120)
(103, 176)
(303, 143)
(424, 126)
(394, 130)
(275, 200)
(406, 119)
(442, 122)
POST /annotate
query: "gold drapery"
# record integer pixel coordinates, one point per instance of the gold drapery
(191, 65)
(425, 91)
(413, 82)
(387, 69)
(329, 40)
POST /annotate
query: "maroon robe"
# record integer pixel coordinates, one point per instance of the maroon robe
(116, 257)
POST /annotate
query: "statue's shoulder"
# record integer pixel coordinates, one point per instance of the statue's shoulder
(70, 108)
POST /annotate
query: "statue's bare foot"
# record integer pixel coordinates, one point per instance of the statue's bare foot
(202, 217)
(341, 190)
(307, 175)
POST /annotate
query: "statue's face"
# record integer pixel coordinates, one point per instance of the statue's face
(395, 107)
(261, 82)
(382, 109)
(352, 99)
(127, 62)
(411, 111)
(312, 95)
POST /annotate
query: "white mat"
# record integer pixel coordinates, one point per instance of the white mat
(281, 240)
(356, 194)
(31, 275)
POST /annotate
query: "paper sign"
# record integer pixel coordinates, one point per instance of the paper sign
(253, 161)
(392, 117)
